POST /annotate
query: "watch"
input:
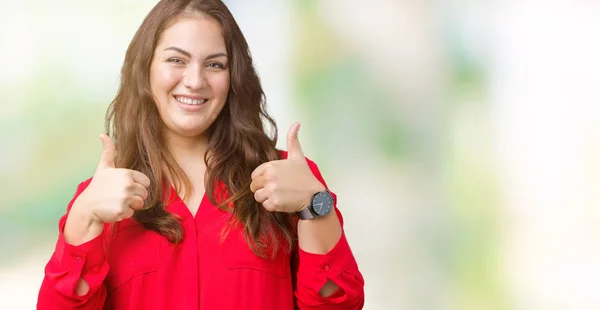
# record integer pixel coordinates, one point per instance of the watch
(320, 205)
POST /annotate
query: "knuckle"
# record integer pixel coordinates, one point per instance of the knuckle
(120, 213)
(270, 177)
(128, 183)
(123, 196)
(270, 170)
(268, 206)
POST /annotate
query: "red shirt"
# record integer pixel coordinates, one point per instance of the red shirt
(136, 268)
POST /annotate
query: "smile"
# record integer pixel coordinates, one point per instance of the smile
(190, 101)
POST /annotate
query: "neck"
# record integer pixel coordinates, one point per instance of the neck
(188, 153)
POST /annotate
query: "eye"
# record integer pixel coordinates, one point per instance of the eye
(216, 65)
(176, 61)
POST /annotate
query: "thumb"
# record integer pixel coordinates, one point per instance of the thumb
(107, 158)
(293, 144)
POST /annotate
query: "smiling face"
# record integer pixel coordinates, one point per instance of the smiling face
(189, 76)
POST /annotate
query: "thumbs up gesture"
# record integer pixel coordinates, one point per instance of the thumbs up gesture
(114, 193)
(286, 185)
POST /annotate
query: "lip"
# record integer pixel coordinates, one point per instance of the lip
(190, 97)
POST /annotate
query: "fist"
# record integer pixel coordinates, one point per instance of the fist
(286, 185)
(113, 194)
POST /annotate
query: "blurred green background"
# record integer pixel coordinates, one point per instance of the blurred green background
(462, 137)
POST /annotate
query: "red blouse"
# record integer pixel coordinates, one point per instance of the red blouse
(136, 268)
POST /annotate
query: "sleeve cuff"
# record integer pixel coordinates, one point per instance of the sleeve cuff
(70, 263)
(327, 266)
(89, 254)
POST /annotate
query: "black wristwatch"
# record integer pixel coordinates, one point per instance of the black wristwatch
(320, 205)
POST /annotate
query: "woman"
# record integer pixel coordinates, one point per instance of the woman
(193, 207)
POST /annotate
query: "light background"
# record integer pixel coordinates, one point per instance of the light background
(462, 137)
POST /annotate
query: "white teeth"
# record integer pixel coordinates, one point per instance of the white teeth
(190, 101)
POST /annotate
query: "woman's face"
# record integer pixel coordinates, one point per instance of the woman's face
(189, 75)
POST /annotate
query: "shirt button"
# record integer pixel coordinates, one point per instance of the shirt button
(79, 259)
(327, 267)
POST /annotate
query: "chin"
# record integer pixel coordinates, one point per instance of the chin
(190, 132)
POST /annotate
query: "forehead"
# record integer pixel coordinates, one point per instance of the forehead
(194, 34)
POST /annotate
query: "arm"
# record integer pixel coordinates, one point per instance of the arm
(319, 236)
(76, 271)
(327, 273)
(75, 274)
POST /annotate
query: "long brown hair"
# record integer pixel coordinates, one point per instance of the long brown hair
(238, 140)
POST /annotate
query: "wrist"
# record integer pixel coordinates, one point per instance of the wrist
(81, 225)
(82, 210)
(319, 205)
(314, 189)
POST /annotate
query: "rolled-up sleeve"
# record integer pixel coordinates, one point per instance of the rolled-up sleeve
(338, 265)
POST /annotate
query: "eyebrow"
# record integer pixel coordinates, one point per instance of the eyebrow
(177, 49)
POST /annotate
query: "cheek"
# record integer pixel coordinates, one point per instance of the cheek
(163, 80)
(221, 85)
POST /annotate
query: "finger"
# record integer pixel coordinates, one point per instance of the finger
(269, 205)
(127, 213)
(140, 178)
(258, 183)
(261, 195)
(136, 203)
(107, 157)
(260, 170)
(293, 144)
(139, 190)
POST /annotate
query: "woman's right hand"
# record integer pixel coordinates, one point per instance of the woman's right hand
(112, 195)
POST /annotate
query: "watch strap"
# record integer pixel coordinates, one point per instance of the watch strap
(306, 214)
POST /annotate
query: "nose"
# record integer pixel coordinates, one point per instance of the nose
(194, 78)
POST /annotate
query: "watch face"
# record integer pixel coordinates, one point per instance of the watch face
(322, 203)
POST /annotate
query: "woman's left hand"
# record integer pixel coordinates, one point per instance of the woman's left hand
(286, 185)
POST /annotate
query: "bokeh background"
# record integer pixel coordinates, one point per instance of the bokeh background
(462, 137)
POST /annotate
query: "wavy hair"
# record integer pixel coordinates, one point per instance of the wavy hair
(238, 141)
